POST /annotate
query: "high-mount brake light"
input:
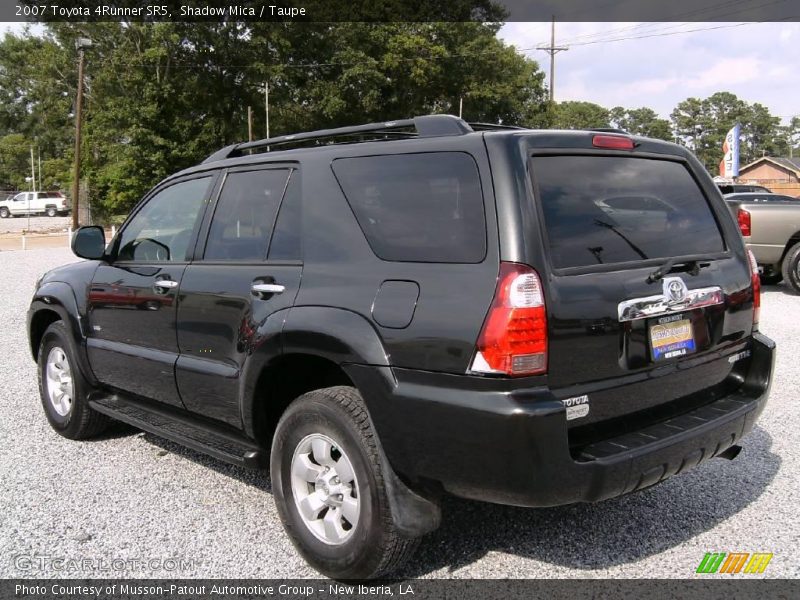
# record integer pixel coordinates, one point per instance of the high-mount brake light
(513, 340)
(756, 281)
(743, 218)
(612, 142)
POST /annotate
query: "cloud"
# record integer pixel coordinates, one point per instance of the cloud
(755, 61)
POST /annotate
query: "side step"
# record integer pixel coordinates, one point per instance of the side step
(183, 428)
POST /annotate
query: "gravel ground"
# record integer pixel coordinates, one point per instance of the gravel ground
(130, 495)
(37, 224)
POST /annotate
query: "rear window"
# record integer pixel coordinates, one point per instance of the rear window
(424, 207)
(605, 210)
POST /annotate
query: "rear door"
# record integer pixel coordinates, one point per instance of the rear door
(132, 298)
(642, 283)
(247, 269)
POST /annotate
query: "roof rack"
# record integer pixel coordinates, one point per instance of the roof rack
(425, 126)
(493, 126)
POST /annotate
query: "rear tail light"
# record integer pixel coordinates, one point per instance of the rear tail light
(743, 217)
(513, 340)
(613, 142)
(756, 288)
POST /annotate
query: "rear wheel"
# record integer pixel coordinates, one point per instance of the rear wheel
(791, 268)
(63, 389)
(329, 487)
(51, 211)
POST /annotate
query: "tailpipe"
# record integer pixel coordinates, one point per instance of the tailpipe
(730, 453)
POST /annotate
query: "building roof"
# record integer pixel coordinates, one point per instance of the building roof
(792, 164)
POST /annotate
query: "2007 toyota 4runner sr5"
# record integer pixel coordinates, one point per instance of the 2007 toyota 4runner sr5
(515, 316)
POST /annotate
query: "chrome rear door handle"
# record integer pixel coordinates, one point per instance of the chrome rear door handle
(166, 284)
(267, 288)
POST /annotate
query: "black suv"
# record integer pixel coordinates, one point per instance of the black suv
(398, 311)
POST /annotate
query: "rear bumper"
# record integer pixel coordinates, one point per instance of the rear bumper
(512, 447)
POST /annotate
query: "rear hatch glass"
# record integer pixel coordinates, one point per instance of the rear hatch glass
(605, 210)
(628, 341)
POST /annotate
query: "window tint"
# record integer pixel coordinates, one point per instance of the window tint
(245, 213)
(417, 207)
(285, 243)
(601, 210)
(162, 229)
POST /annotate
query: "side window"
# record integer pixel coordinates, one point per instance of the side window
(245, 214)
(162, 229)
(286, 238)
(424, 207)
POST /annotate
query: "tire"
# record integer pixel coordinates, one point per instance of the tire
(51, 212)
(69, 414)
(4, 213)
(791, 268)
(771, 276)
(332, 426)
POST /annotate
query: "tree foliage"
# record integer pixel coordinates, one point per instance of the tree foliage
(162, 96)
(579, 115)
(641, 121)
(702, 125)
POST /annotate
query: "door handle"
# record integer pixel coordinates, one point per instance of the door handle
(267, 288)
(166, 284)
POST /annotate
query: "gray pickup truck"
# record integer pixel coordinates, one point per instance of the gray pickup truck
(770, 226)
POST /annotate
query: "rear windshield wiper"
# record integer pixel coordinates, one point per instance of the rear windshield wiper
(695, 263)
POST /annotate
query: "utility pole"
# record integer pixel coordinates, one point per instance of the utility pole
(552, 50)
(460, 106)
(33, 172)
(249, 123)
(80, 44)
(266, 104)
(39, 152)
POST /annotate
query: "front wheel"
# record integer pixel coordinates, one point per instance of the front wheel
(329, 487)
(63, 389)
(4, 213)
(791, 268)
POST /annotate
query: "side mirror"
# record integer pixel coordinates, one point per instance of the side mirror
(89, 242)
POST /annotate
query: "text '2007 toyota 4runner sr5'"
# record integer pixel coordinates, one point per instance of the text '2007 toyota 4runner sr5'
(516, 316)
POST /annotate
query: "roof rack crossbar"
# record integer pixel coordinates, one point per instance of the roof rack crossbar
(426, 126)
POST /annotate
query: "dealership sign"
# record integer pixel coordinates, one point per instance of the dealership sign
(729, 167)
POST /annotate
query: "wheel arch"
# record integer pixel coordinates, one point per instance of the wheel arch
(55, 301)
(316, 346)
(789, 244)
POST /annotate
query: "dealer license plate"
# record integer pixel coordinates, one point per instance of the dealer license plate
(671, 337)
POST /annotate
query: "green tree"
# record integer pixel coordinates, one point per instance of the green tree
(579, 115)
(687, 123)
(703, 124)
(162, 96)
(641, 121)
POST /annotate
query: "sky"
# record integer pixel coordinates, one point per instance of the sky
(756, 61)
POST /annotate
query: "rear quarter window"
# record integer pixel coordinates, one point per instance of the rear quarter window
(425, 207)
(602, 210)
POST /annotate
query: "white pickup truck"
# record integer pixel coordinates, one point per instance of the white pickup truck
(34, 203)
